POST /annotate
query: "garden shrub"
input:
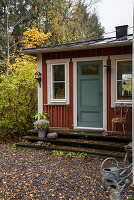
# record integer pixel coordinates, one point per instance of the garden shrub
(18, 97)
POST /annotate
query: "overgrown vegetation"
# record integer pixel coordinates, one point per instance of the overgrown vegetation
(70, 154)
(34, 38)
(18, 89)
(18, 97)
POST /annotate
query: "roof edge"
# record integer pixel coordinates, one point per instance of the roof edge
(101, 43)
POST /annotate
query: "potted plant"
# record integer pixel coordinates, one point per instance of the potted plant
(41, 125)
(41, 116)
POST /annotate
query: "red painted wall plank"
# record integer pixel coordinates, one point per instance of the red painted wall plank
(89, 52)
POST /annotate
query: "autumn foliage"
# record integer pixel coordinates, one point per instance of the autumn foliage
(18, 96)
(33, 37)
(18, 88)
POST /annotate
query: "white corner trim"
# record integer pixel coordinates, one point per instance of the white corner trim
(40, 89)
(75, 60)
(114, 59)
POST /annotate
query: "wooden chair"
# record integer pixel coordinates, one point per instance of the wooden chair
(121, 111)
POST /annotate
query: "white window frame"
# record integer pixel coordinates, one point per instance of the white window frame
(50, 64)
(114, 60)
(122, 100)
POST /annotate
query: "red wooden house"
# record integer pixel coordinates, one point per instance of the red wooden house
(82, 82)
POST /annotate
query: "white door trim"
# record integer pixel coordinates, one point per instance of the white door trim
(75, 60)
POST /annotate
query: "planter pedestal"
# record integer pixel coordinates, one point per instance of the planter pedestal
(42, 134)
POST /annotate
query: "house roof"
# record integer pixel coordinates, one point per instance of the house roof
(100, 43)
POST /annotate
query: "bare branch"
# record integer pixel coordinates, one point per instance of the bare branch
(25, 16)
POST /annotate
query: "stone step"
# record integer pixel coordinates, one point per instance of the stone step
(91, 144)
(91, 152)
(105, 136)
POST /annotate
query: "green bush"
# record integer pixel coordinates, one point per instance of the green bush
(18, 97)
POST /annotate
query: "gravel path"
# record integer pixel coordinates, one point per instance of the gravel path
(34, 174)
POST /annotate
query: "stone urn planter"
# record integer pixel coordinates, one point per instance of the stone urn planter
(41, 126)
(42, 134)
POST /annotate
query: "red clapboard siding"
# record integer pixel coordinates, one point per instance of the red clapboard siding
(62, 115)
(89, 52)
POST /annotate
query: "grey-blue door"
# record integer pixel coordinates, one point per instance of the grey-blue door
(90, 94)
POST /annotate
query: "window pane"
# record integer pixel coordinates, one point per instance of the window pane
(89, 69)
(58, 90)
(119, 90)
(124, 90)
(123, 68)
(124, 80)
(58, 72)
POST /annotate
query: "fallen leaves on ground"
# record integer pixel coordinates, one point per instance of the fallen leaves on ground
(34, 174)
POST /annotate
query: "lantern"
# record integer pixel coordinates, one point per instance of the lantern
(37, 76)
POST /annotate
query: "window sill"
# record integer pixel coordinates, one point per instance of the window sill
(57, 102)
(124, 102)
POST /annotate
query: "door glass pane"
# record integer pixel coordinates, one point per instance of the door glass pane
(89, 69)
(58, 90)
(58, 72)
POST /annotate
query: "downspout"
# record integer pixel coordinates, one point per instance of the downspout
(108, 94)
(133, 104)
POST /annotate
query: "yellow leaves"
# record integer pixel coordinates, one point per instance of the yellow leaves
(18, 92)
(31, 195)
(34, 37)
(23, 64)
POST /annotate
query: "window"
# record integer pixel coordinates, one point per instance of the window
(58, 81)
(124, 80)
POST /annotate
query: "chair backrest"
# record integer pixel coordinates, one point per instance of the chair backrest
(124, 111)
(121, 111)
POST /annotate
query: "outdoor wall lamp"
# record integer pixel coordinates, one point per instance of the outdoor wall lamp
(37, 76)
